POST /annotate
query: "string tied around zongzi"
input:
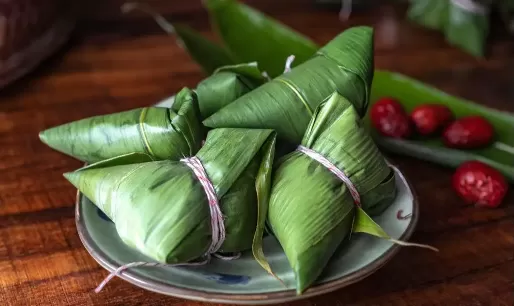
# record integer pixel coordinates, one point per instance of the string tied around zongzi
(338, 172)
(217, 227)
(356, 196)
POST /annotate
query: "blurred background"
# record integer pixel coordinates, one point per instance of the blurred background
(31, 31)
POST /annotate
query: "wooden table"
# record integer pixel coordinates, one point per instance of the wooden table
(117, 62)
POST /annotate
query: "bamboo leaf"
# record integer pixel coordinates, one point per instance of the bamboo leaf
(252, 36)
(311, 209)
(159, 132)
(208, 54)
(411, 93)
(126, 159)
(263, 187)
(160, 207)
(364, 224)
(219, 158)
(286, 103)
(223, 87)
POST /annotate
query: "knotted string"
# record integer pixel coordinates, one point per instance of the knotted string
(217, 227)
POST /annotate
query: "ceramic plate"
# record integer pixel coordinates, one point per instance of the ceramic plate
(243, 281)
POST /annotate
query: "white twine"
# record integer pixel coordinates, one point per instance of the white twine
(346, 10)
(217, 227)
(289, 61)
(471, 6)
(120, 270)
(338, 172)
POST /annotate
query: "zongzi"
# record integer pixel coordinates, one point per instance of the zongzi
(323, 191)
(178, 211)
(286, 103)
(159, 132)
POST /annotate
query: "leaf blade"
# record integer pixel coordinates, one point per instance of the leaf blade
(208, 54)
(271, 41)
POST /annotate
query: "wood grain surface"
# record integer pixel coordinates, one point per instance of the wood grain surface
(117, 62)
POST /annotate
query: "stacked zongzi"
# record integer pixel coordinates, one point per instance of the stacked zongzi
(164, 208)
(287, 103)
(321, 192)
(160, 132)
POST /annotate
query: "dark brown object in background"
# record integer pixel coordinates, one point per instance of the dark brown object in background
(122, 62)
(30, 31)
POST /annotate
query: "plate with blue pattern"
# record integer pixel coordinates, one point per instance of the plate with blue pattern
(243, 281)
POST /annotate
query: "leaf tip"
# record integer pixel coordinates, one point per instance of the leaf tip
(72, 177)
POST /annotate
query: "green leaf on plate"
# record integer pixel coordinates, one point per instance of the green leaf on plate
(364, 224)
(209, 55)
(252, 36)
(411, 93)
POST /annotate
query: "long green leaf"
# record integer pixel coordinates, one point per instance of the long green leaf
(263, 187)
(208, 54)
(252, 36)
(412, 93)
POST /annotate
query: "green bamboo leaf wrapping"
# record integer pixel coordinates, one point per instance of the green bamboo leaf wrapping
(287, 103)
(264, 40)
(311, 211)
(125, 159)
(159, 132)
(160, 207)
(412, 93)
(223, 87)
(263, 187)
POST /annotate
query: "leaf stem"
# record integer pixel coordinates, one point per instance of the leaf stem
(403, 243)
(161, 21)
